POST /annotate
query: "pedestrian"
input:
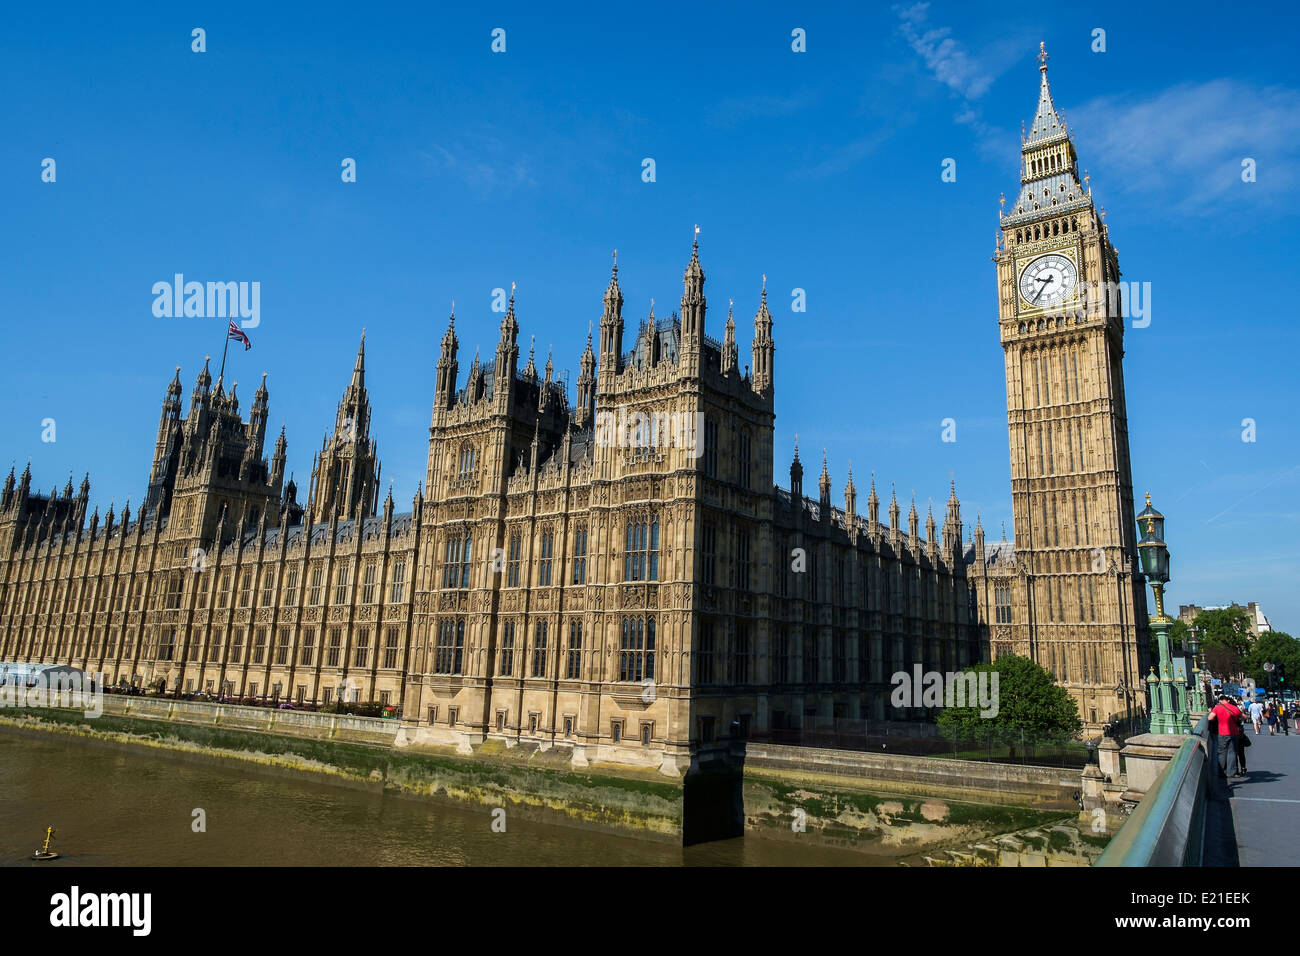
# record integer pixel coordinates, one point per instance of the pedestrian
(1228, 718)
(1270, 715)
(1281, 719)
(1256, 715)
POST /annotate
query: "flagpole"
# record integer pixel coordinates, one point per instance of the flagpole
(222, 373)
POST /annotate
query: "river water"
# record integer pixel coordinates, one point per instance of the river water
(121, 805)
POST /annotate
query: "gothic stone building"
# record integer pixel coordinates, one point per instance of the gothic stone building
(1069, 592)
(620, 577)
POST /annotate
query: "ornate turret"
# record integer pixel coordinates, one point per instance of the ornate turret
(729, 354)
(824, 487)
(796, 478)
(850, 501)
(895, 520)
(345, 477)
(913, 527)
(586, 385)
(873, 507)
(529, 373)
(764, 348)
(167, 447)
(693, 306)
(475, 387)
(202, 385)
(611, 324)
(278, 461)
(507, 360)
(257, 416)
(445, 388)
(952, 523)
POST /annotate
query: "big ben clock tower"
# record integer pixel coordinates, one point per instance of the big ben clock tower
(1077, 604)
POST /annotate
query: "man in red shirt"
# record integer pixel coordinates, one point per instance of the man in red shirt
(1229, 721)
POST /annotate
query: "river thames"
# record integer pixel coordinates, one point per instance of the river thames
(121, 805)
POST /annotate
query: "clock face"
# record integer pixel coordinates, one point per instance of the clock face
(1048, 280)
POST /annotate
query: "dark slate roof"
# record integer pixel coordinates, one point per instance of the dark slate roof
(1063, 193)
(999, 554)
(581, 445)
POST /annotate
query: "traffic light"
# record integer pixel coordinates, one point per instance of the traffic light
(1281, 674)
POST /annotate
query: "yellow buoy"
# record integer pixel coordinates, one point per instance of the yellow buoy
(45, 853)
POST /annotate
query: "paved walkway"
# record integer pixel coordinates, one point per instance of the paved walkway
(1266, 803)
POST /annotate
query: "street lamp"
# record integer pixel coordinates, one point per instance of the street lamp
(1168, 704)
(1197, 703)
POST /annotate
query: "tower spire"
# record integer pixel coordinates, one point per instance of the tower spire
(729, 355)
(693, 309)
(764, 349)
(611, 324)
(359, 367)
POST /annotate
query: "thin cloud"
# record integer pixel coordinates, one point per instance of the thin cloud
(944, 56)
(968, 76)
(1184, 146)
(486, 166)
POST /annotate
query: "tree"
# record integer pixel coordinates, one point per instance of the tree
(1225, 638)
(1030, 706)
(1226, 627)
(1276, 647)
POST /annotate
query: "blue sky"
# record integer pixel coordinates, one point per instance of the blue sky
(820, 169)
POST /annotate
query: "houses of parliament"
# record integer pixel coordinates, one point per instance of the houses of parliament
(636, 600)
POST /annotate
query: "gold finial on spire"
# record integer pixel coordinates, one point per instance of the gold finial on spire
(1148, 499)
(1042, 56)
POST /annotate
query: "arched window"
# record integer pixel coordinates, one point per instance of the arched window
(636, 657)
(455, 569)
(465, 464)
(641, 560)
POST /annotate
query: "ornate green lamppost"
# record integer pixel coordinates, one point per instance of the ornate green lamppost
(1197, 702)
(1168, 703)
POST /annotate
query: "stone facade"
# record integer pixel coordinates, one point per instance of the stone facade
(1069, 591)
(620, 577)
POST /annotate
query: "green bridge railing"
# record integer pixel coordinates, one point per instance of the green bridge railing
(1168, 827)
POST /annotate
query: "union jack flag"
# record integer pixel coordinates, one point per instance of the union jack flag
(235, 332)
